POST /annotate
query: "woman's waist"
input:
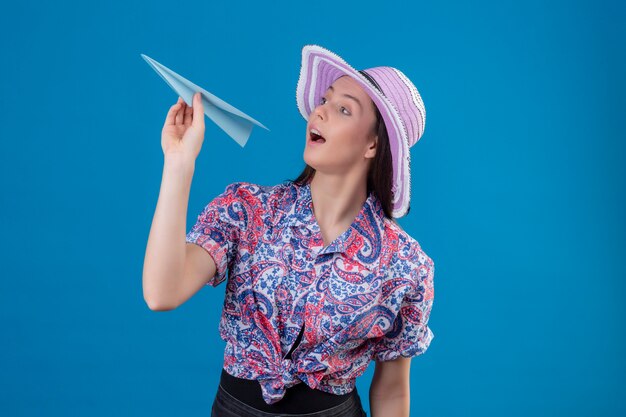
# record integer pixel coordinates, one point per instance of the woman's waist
(299, 398)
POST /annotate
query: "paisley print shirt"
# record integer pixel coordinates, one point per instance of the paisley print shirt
(367, 295)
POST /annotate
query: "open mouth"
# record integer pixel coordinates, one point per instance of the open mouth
(317, 138)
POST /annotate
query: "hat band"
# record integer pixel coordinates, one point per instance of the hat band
(371, 80)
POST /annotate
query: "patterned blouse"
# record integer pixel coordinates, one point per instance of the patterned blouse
(367, 295)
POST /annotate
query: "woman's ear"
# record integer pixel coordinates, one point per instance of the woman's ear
(371, 149)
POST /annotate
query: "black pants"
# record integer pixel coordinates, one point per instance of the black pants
(225, 405)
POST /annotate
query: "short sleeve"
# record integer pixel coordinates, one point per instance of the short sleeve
(219, 227)
(410, 335)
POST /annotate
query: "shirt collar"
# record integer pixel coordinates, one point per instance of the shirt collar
(370, 219)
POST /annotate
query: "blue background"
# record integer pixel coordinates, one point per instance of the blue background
(518, 193)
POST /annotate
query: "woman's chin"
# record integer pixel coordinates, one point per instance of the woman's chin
(311, 158)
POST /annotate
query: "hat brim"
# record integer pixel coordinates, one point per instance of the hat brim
(320, 68)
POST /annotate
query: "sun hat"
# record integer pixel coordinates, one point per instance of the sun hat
(395, 96)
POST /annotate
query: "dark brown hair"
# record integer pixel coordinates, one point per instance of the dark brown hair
(380, 173)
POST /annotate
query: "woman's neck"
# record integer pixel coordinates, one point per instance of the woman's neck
(337, 200)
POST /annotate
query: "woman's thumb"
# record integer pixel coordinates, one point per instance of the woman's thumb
(198, 111)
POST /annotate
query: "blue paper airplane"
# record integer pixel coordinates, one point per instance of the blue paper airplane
(234, 122)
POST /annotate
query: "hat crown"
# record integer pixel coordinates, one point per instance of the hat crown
(404, 96)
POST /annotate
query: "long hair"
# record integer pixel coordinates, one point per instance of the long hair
(380, 173)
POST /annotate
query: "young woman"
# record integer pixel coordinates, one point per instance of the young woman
(320, 277)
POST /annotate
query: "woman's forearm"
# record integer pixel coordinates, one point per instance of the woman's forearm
(385, 404)
(165, 252)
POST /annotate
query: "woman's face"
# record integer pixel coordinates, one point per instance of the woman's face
(345, 118)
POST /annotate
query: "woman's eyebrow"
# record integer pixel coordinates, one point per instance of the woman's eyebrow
(349, 96)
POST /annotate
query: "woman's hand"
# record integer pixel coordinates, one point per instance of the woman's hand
(183, 131)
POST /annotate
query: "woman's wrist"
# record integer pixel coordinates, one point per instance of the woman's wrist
(179, 162)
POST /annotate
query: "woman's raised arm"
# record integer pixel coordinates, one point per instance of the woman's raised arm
(173, 271)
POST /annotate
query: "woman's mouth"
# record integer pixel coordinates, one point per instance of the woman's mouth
(316, 137)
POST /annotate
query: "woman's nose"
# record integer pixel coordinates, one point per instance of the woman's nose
(319, 111)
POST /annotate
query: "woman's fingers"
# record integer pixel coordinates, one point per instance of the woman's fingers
(187, 117)
(181, 111)
(170, 119)
(180, 114)
(198, 111)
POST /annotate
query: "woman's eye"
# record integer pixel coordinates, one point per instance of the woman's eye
(346, 112)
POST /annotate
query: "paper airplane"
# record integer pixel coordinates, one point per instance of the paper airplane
(234, 122)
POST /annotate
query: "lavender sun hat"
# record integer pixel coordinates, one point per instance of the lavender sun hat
(395, 96)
